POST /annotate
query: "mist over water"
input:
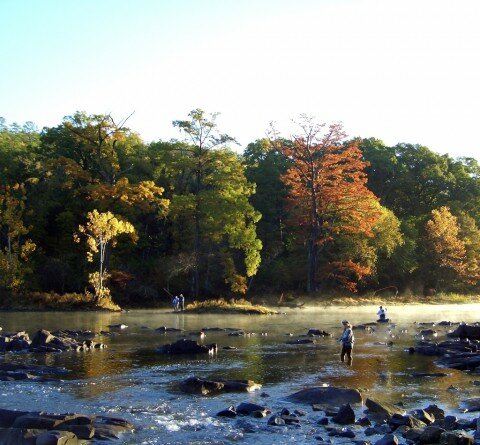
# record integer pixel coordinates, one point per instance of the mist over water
(131, 380)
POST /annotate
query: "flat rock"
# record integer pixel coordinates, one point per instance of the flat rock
(195, 385)
(186, 346)
(471, 405)
(466, 331)
(326, 396)
(387, 410)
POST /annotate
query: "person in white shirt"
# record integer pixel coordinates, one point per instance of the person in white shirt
(382, 313)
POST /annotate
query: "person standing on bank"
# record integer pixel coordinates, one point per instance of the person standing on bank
(347, 339)
(182, 302)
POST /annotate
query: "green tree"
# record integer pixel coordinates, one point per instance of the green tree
(217, 199)
(15, 249)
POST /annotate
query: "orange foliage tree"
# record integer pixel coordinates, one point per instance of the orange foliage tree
(328, 197)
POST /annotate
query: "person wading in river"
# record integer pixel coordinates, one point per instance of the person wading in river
(347, 339)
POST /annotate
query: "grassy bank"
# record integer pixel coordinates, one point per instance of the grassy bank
(43, 301)
(232, 306)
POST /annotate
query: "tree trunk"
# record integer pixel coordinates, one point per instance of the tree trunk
(312, 265)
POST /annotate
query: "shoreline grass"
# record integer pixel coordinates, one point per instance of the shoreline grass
(307, 300)
(220, 305)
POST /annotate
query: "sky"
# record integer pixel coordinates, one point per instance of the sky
(399, 71)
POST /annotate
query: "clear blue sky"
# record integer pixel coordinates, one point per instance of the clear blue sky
(401, 71)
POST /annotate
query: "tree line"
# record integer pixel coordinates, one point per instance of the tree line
(310, 212)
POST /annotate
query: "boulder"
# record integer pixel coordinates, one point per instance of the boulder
(413, 434)
(290, 419)
(300, 341)
(423, 415)
(42, 338)
(385, 410)
(345, 415)
(397, 420)
(186, 346)
(456, 438)
(229, 412)
(326, 396)
(8, 417)
(388, 439)
(471, 405)
(110, 427)
(195, 385)
(466, 331)
(435, 411)
(37, 421)
(431, 434)
(343, 432)
(56, 438)
(16, 436)
(84, 432)
(33, 428)
(318, 333)
(276, 421)
(247, 408)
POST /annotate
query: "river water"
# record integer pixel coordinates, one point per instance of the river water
(129, 379)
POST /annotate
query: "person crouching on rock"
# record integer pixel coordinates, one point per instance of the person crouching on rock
(347, 339)
(382, 313)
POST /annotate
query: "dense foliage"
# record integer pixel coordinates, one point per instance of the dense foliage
(310, 212)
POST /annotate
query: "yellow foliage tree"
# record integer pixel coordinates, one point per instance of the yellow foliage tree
(101, 230)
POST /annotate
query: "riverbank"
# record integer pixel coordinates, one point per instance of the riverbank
(306, 300)
(262, 304)
(44, 301)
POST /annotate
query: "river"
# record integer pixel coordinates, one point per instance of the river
(129, 379)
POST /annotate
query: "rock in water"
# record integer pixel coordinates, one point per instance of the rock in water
(326, 396)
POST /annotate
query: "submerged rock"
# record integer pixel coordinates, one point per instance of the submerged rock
(164, 329)
(318, 333)
(300, 341)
